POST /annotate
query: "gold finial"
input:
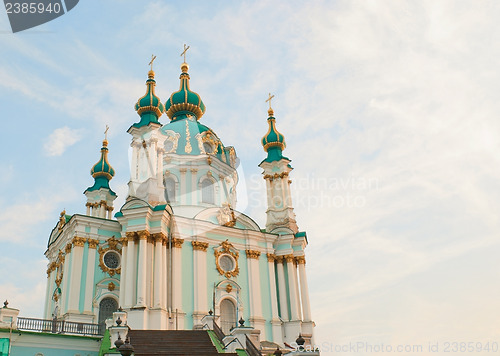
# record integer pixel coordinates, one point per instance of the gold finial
(270, 111)
(184, 52)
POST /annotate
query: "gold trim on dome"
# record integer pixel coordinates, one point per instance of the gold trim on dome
(273, 144)
(226, 248)
(253, 254)
(199, 246)
(152, 108)
(195, 109)
(188, 147)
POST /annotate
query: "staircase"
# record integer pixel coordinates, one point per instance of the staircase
(173, 342)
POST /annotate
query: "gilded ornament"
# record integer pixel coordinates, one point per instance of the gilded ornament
(143, 235)
(289, 258)
(199, 246)
(111, 286)
(226, 248)
(229, 288)
(280, 259)
(271, 257)
(177, 243)
(67, 249)
(253, 254)
(93, 243)
(188, 147)
(79, 241)
(301, 260)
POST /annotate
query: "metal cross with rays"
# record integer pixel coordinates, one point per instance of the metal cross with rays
(269, 100)
(184, 52)
(153, 57)
(106, 132)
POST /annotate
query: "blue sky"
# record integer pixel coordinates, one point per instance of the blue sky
(390, 113)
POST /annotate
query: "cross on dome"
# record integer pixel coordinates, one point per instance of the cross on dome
(184, 52)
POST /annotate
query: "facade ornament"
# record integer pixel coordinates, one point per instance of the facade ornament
(227, 252)
(93, 243)
(271, 257)
(176, 242)
(253, 254)
(199, 246)
(226, 216)
(79, 241)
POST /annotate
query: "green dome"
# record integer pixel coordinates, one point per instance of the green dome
(184, 101)
(273, 141)
(149, 107)
(102, 172)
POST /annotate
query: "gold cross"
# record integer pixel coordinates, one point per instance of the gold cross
(269, 99)
(106, 132)
(153, 57)
(184, 52)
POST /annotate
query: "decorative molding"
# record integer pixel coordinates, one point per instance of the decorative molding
(177, 243)
(271, 257)
(124, 241)
(67, 249)
(79, 241)
(280, 259)
(111, 286)
(142, 235)
(159, 237)
(199, 246)
(112, 245)
(226, 248)
(289, 258)
(301, 260)
(253, 254)
(93, 243)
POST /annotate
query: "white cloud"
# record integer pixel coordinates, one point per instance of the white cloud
(60, 140)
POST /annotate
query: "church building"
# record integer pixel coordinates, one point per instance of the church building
(178, 249)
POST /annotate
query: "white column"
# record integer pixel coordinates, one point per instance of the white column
(200, 276)
(65, 280)
(142, 272)
(88, 208)
(254, 281)
(292, 285)
(282, 289)
(183, 197)
(304, 290)
(123, 277)
(269, 193)
(130, 272)
(76, 274)
(164, 284)
(89, 282)
(176, 275)
(158, 271)
(272, 287)
(48, 294)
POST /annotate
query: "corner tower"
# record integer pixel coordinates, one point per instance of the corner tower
(280, 215)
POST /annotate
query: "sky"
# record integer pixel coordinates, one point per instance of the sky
(390, 111)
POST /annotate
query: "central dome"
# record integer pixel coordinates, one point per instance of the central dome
(184, 101)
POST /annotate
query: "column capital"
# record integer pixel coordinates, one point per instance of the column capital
(253, 254)
(93, 243)
(158, 237)
(289, 258)
(177, 243)
(199, 246)
(143, 235)
(271, 257)
(301, 260)
(131, 235)
(67, 249)
(280, 258)
(124, 241)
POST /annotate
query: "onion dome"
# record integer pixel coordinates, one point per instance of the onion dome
(273, 141)
(102, 172)
(149, 107)
(184, 101)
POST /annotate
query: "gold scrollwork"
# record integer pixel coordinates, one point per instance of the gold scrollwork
(253, 254)
(112, 246)
(177, 243)
(301, 260)
(93, 243)
(289, 258)
(271, 257)
(226, 248)
(78, 241)
(200, 246)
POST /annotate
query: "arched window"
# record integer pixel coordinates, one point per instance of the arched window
(227, 315)
(107, 307)
(207, 191)
(169, 190)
